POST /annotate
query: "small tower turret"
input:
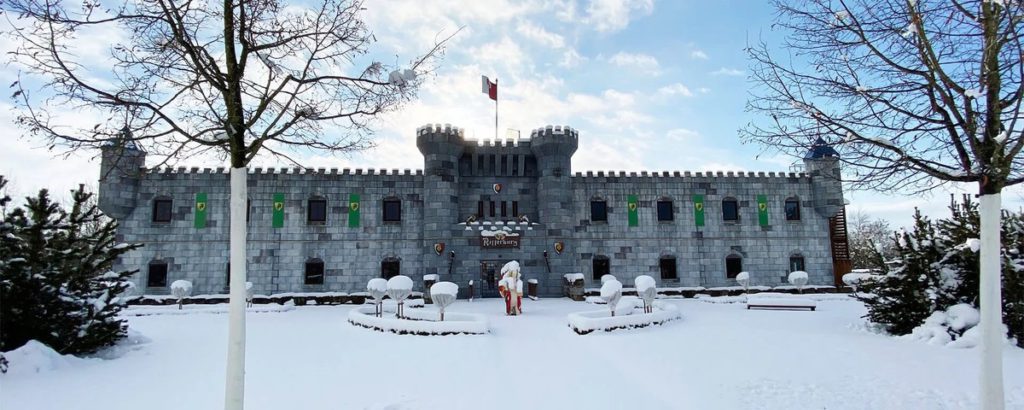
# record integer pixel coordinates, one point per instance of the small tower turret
(121, 166)
(554, 146)
(822, 164)
(441, 147)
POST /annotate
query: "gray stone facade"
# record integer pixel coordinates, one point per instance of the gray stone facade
(458, 180)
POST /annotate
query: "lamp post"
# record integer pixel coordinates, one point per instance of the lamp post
(547, 262)
(451, 261)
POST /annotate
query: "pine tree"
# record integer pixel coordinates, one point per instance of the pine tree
(9, 244)
(899, 300)
(1013, 275)
(65, 293)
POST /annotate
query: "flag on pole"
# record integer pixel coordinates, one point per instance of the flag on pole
(489, 88)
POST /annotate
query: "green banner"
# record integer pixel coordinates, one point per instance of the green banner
(698, 209)
(762, 210)
(200, 214)
(353, 210)
(278, 210)
(632, 206)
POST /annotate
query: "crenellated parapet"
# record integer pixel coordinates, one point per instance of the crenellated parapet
(554, 141)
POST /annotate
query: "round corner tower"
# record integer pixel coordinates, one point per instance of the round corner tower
(822, 164)
(122, 164)
(441, 147)
(553, 147)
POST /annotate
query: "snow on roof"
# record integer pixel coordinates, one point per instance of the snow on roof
(572, 277)
(400, 282)
(378, 284)
(643, 282)
(444, 288)
(510, 266)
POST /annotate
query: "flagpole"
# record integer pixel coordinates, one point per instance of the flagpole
(495, 111)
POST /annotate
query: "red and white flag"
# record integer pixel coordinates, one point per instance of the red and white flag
(489, 88)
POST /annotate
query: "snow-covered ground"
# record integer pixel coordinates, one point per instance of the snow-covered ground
(718, 356)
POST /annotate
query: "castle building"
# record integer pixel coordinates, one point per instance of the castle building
(473, 207)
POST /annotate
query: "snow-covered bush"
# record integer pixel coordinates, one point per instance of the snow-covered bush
(377, 288)
(606, 278)
(853, 279)
(611, 292)
(399, 288)
(646, 289)
(798, 279)
(181, 289)
(743, 278)
(57, 283)
(443, 294)
(248, 294)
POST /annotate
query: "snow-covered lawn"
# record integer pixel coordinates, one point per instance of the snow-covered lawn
(718, 356)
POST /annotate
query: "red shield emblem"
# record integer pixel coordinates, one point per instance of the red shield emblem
(439, 248)
(559, 247)
(497, 188)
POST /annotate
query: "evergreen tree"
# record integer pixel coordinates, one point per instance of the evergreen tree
(1013, 275)
(64, 293)
(899, 300)
(9, 242)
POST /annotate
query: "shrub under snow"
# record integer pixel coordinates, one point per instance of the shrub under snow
(443, 294)
(399, 288)
(181, 289)
(646, 289)
(743, 278)
(606, 278)
(798, 279)
(611, 292)
(377, 288)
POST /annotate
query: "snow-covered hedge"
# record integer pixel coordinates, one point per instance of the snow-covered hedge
(630, 317)
(423, 322)
(201, 309)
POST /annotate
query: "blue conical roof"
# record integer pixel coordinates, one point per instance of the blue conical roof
(821, 149)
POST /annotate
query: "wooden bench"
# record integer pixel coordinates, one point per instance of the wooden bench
(781, 303)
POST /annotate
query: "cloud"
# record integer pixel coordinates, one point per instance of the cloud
(614, 15)
(682, 135)
(571, 58)
(675, 89)
(728, 72)
(698, 55)
(540, 35)
(638, 61)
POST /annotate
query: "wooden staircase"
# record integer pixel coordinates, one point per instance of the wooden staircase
(839, 237)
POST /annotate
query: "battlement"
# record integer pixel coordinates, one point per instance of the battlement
(282, 171)
(446, 129)
(554, 130)
(689, 174)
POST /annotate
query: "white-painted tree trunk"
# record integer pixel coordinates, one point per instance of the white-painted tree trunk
(991, 305)
(234, 391)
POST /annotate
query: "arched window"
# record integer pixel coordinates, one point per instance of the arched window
(792, 209)
(390, 267)
(156, 275)
(733, 265)
(163, 209)
(314, 272)
(730, 210)
(796, 262)
(316, 210)
(667, 265)
(601, 266)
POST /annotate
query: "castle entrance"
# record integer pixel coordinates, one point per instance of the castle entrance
(490, 273)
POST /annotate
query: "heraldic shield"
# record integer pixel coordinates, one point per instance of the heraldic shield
(439, 248)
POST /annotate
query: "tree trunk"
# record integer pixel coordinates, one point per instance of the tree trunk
(235, 388)
(991, 395)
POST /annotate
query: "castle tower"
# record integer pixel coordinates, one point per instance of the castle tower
(554, 147)
(822, 164)
(121, 167)
(441, 148)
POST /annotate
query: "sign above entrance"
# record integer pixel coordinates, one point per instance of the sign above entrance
(499, 239)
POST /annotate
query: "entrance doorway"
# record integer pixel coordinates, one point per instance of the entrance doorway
(489, 276)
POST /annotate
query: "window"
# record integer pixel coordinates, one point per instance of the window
(492, 209)
(515, 165)
(730, 210)
(248, 207)
(515, 208)
(157, 275)
(493, 167)
(665, 210)
(733, 266)
(317, 210)
(792, 209)
(392, 210)
(504, 165)
(504, 209)
(598, 210)
(390, 268)
(601, 266)
(162, 210)
(480, 165)
(314, 272)
(796, 262)
(668, 267)
(227, 277)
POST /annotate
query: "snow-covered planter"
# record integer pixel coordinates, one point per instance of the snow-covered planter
(743, 278)
(586, 322)
(399, 288)
(443, 294)
(202, 309)
(421, 322)
(646, 290)
(181, 289)
(798, 279)
(377, 288)
(611, 292)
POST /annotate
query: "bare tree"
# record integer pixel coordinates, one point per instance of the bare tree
(235, 78)
(914, 94)
(869, 239)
